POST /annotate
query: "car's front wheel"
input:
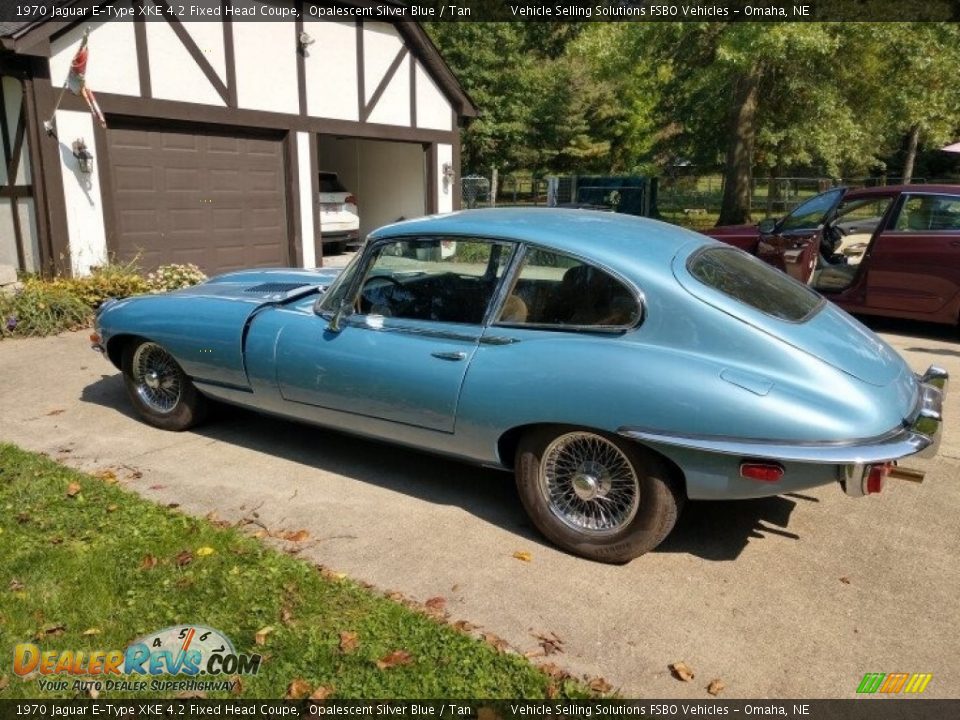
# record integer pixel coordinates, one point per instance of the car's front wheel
(160, 391)
(594, 494)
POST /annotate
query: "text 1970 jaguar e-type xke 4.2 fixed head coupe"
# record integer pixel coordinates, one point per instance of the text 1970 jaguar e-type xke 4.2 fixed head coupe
(617, 365)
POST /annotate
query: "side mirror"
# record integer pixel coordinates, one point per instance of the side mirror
(767, 225)
(335, 322)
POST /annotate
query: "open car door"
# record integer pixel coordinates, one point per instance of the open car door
(793, 243)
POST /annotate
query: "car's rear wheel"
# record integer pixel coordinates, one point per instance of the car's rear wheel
(160, 391)
(594, 494)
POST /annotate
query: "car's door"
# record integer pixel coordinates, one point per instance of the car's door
(913, 264)
(794, 244)
(397, 333)
(539, 357)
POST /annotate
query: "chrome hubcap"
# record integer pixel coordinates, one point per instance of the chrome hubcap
(589, 484)
(157, 378)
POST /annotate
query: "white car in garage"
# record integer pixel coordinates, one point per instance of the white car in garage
(339, 217)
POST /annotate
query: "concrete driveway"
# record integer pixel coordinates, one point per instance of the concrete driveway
(794, 596)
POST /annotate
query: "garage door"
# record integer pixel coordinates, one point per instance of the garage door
(199, 197)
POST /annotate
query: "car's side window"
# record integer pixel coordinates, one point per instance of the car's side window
(553, 290)
(926, 213)
(442, 279)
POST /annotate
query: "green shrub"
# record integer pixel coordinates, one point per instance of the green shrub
(42, 309)
(174, 277)
(48, 307)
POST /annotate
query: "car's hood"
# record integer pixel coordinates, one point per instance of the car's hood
(724, 230)
(259, 286)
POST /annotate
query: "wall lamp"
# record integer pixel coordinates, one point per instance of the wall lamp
(83, 156)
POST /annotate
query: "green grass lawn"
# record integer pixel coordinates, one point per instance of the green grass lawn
(86, 565)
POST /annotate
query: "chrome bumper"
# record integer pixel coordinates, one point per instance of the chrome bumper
(920, 435)
(929, 419)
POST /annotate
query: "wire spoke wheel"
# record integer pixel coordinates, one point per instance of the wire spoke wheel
(157, 378)
(589, 484)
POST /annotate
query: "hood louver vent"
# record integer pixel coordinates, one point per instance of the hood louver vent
(274, 288)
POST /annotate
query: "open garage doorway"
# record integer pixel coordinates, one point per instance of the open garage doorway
(387, 181)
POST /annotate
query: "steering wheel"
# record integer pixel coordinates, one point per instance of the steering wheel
(370, 285)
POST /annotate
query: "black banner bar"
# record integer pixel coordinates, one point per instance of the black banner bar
(866, 708)
(26, 11)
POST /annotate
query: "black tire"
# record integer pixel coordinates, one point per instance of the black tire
(187, 406)
(655, 504)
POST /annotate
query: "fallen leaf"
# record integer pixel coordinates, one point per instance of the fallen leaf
(682, 671)
(112, 508)
(4, 681)
(396, 596)
(286, 615)
(204, 551)
(237, 687)
(92, 631)
(191, 695)
(715, 687)
(261, 637)
(73, 489)
(298, 536)
(53, 631)
(184, 558)
(397, 657)
(148, 563)
(437, 604)
(555, 671)
(495, 641)
(321, 693)
(454, 588)
(551, 691)
(298, 689)
(464, 625)
(58, 411)
(158, 487)
(259, 534)
(108, 476)
(551, 643)
(523, 555)
(134, 474)
(845, 580)
(348, 641)
(16, 585)
(600, 685)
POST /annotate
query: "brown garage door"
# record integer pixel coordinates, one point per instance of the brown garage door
(199, 197)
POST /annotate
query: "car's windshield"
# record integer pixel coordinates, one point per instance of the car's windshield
(754, 283)
(811, 214)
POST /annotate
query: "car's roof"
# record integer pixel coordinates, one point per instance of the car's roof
(894, 189)
(606, 236)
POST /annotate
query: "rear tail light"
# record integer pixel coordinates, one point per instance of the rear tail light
(876, 478)
(762, 472)
(350, 200)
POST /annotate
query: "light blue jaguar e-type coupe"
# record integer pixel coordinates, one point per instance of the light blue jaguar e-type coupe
(617, 365)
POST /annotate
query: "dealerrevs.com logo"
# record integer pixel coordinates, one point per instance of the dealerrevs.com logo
(894, 683)
(184, 650)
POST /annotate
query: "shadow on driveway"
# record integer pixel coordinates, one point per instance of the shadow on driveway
(715, 531)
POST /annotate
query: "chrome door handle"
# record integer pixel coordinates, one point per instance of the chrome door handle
(454, 356)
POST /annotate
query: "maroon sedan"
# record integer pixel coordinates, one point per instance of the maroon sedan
(892, 251)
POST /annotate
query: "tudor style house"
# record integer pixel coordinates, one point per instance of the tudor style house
(217, 132)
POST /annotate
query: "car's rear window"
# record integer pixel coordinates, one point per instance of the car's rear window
(754, 283)
(330, 183)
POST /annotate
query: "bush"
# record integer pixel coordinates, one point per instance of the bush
(174, 277)
(42, 309)
(47, 307)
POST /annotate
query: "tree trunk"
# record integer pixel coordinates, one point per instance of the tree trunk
(912, 139)
(735, 208)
